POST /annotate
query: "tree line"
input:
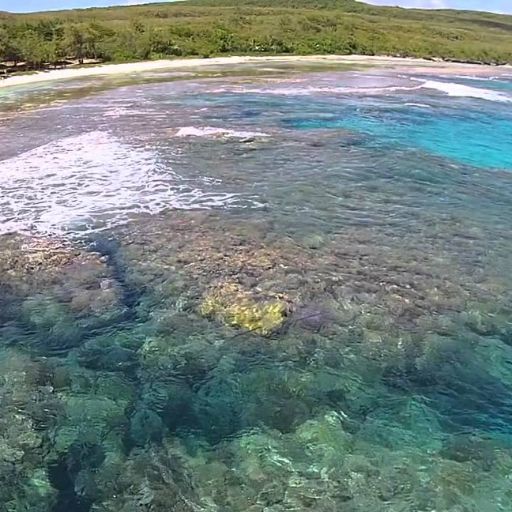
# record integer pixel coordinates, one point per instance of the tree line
(49, 42)
(222, 27)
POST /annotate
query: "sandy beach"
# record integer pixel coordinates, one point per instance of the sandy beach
(412, 65)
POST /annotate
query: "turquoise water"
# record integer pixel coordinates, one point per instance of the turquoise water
(477, 138)
(467, 131)
(494, 83)
(262, 293)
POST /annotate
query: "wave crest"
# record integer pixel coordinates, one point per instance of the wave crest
(466, 91)
(210, 131)
(93, 181)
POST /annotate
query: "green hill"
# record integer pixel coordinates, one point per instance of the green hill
(215, 27)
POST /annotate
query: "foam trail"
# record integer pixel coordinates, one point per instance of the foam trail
(417, 105)
(92, 181)
(459, 90)
(210, 131)
(311, 90)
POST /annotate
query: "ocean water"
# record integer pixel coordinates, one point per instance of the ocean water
(288, 290)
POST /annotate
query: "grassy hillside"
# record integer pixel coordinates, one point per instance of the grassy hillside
(214, 27)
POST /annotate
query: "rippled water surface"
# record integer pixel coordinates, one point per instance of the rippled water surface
(275, 292)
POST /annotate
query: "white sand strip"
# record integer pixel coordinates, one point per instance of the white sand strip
(415, 65)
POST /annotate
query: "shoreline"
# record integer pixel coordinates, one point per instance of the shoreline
(404, 64)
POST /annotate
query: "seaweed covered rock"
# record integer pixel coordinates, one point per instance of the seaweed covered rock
(55, 289)
(99, 354)
(190, 357)
(150, 480)
(30, 264)
(38, 495)
(28, 407)
(94, 414)
(54, 327)
(88, 434)
(199, 261)
(250, 274)
(490, 319)
(231, 304)
(321, 466)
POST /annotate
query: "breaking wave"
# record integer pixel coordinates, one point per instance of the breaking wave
(93, 181)
(460, 90)
(210, 131)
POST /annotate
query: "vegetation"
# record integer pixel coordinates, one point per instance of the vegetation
(215, 27)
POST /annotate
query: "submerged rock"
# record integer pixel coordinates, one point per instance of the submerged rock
(237, 307)
(145, 426)
(113, 358)
(26, 410)
(55, 290)
(30, 263)
(150, 480)
(313, 317)
(313, 241)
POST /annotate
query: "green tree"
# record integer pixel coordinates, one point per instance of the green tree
(33, 49)
(10, 46)
(75, 42)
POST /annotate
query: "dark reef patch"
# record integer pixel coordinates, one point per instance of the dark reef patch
(110, 249)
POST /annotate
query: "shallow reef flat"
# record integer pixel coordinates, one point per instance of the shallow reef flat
(285, 312)
(233, 367)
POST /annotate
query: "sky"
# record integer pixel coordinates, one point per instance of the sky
(504, 6)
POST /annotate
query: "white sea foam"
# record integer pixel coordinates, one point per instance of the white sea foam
(477, 78)
(459, 90)
(417, 105)
(121, 111)
(210, 131)
(311, 90)
(469, 77)
(92, 181)
(450, 88)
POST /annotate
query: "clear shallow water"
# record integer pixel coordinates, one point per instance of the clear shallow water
(236, 294)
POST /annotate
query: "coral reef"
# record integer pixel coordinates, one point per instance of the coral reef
(204, 363)
(237, 307)
(317, 321)
(55, 290)
(29, 407)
